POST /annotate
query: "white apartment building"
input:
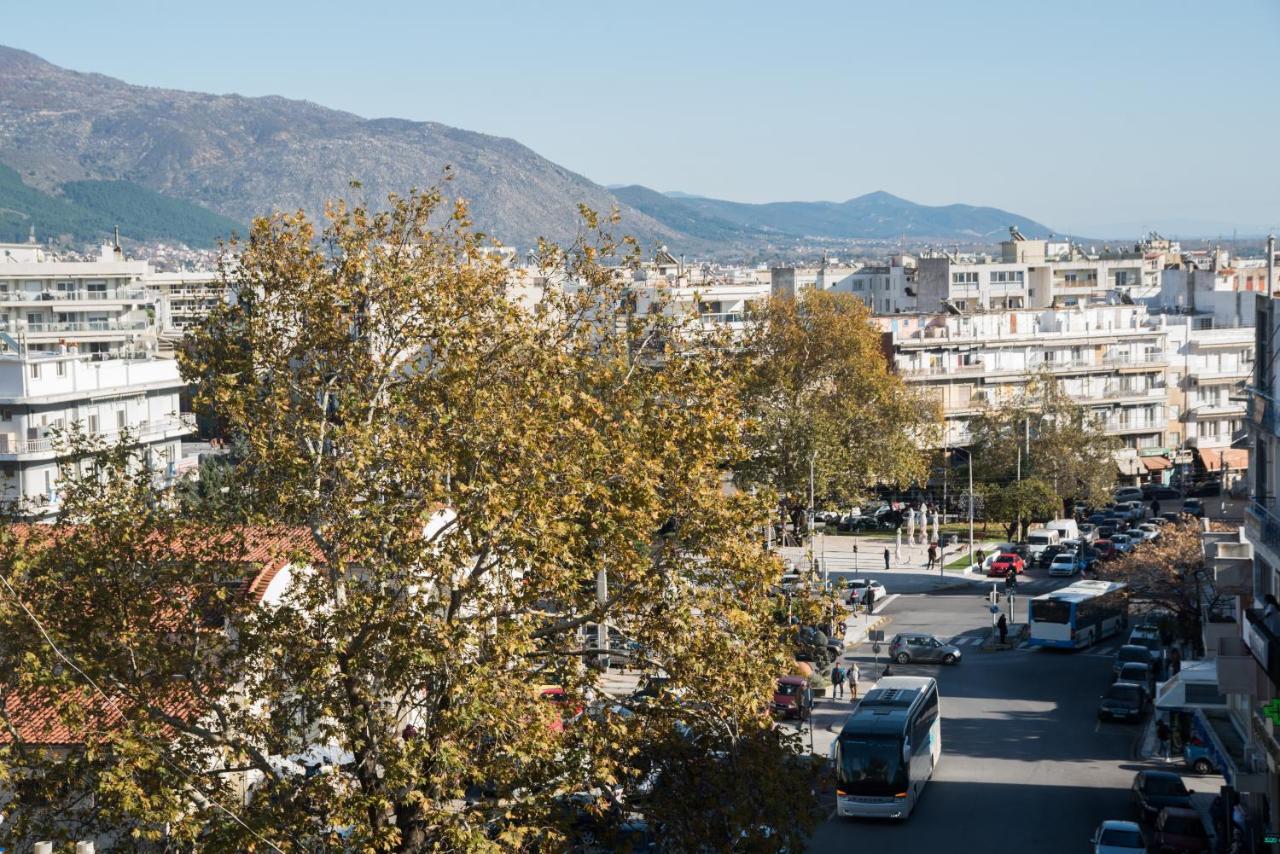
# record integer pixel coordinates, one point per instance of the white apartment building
(884, 288)
(1113, 358)
(184, 299)
(41, 393)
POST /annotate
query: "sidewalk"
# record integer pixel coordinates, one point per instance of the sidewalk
(1148, 748)
(837, 554)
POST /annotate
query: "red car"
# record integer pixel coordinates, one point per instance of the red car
(1005, 563)
(1105, 548)
(791, 697)
(1179, 829)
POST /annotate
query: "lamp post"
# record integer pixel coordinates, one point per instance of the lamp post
(812, 459)
(970, 457)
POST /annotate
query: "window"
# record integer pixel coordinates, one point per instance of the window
(964, 278)
(119, 419)
(35, 371)
(1006, 277)
(1122, 278)
(93, 422)
(60, 368)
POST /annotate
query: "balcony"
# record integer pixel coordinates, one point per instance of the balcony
(1262, 527)
(1237, 671)
(1262, 637)
(81, 326)
(114, 294)
(1263, 413)
(1137, 360)
(180, 424)
(1133, 425)
(1116, 391)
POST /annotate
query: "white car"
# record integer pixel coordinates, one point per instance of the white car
(1118, 837)
(1149, 531)
(1065, 563)
(858, 589)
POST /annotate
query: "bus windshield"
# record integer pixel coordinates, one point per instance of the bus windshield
(1050, 611)
(871, 765)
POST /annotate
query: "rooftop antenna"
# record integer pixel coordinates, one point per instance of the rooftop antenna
(116, 249)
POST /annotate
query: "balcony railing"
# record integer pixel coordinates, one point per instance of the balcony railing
(1262, 525)
(123, 294)
(184, 422)
(1262, 636)
(82, 326)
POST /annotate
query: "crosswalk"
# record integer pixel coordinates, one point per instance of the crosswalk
(967, 640)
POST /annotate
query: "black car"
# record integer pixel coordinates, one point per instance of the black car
(1139, 674)
(1205, 489)
(1124, 701)
(1050, 552)
(1154, 790)
(1159, 492)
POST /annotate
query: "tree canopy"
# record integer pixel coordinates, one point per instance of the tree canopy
(816, 382)
(443, 471)
(1045, 435)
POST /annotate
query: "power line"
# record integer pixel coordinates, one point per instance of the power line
(159, 752)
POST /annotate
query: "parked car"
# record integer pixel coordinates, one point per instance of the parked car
(1206, 489)
(792, 698)
(1179, 829)
(1118, 837)
(1152, 791)
(1139, 674)
(1149, 531)
(1000, 549)
(1006, 563)
(1099, 518)
(1127, 493)
(1159, 492)
(908, 647)
(1106, 531)
(1068, 564)
(1150, 642)
(1045, 558)
(1193, 507)
(1088, 531)
(858, 589)
(1134, 511)
(1122, 543)
(1127, 653)
(1174, 517)
(1196, 755)
(1123, 701)
(1104, 549)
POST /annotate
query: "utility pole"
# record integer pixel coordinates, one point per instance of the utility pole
(812, 460)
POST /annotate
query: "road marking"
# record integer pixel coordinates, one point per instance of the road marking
(879, 606)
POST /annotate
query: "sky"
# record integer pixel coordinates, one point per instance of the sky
(1085, 116)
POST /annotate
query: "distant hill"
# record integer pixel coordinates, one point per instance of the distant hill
(876, 215)
(87, 211)
(245, 157)
(92, 151)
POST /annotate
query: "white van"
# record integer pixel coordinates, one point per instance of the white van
(1066, 528)
(1039, 539)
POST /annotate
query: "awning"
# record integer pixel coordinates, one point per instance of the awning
(1195, 686)
(1236, 459)
(1156, 463)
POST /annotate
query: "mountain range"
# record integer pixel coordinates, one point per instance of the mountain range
(85, 151)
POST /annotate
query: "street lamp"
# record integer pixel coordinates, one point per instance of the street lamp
(970, 456)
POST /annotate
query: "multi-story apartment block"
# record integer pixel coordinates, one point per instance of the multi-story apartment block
(885, 288)
(44, 393)
(1113, 358)
(100, 307)
(184, 299)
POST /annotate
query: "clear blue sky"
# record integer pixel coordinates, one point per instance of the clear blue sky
(1081, 115)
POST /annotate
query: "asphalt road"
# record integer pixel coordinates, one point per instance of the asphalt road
(1026, 766)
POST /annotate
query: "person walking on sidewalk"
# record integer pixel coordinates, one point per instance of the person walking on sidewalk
(853, 675)
(1162, 736)
(1002, 626)
(932, 554)
(886, 559)
(837, 682)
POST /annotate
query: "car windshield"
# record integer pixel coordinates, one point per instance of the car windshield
(1132, 653)
(1121, 838)
(788, 689)
(1170, 785)
(1183, 825)
(1145, 640)
(1134, 673)
(1064, 559)
(871, 765)
(1131, 693)
(1050, 611)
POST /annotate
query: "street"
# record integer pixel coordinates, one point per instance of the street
(1026, 765)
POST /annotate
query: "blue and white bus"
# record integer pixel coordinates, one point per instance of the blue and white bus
(1079, 614)
(888, 748)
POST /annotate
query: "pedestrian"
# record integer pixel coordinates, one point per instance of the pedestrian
(982, 557)
(1162, 736)
(1002, 626)
(1175, 661)
(837, 682)
(888, 670)
(886, 559)
(853, 675)
(932, 556)
(868, 598)
(1155, 507)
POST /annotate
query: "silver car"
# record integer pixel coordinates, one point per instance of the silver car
(908, 647)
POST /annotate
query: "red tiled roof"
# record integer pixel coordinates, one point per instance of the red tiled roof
(38, 719)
